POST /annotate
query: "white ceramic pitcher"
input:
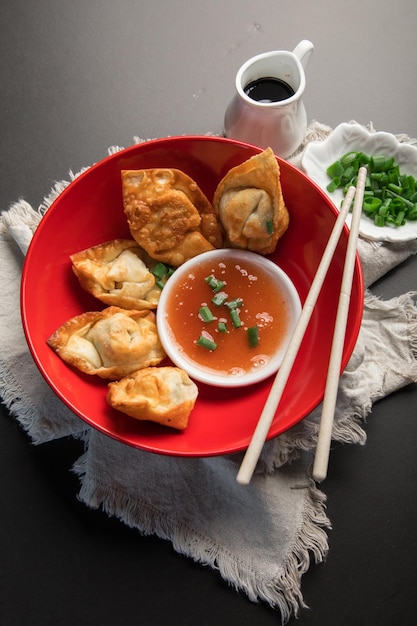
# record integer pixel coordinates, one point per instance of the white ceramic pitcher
(281, 124)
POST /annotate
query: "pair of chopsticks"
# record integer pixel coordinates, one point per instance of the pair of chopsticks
(329, 401)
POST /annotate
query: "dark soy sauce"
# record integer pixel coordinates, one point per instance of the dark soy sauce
(269, 90)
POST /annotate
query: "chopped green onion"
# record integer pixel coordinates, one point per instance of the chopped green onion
(348, 175)
(207, 343)
(335, 169)
(381, 163)
(222, 327)
(205, 314)
(411, 184)
(394, 195)
(412, 215)
(395, 188)
(379, 220)
(219, 298)
(399, 220)
(215, 283)
(253, 336)
(379, 177)
(234, 316)
(364, 159)
(269, 227)
(390, 197)
(348, 158)
(160, 270)
(334, 184)
(371, 204)
(383, 210)
(234, 304)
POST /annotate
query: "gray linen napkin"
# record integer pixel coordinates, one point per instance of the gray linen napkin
(260, 538)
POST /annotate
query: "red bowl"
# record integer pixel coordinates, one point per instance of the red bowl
(89, 211)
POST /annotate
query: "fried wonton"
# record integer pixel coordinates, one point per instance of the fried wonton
(249, 204)
(168, 214)
(160, 394)
(117, 273)
(111, 343)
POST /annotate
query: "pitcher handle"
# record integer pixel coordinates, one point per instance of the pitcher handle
(303, 51)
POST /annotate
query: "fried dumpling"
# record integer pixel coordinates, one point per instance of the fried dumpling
(249, 204)
(111, 343)
(160, 394)
(117, 273)
(168, 214)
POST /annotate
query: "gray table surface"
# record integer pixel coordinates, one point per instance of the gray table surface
(77, 77)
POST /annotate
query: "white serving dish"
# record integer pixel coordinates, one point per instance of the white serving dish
(350, 136)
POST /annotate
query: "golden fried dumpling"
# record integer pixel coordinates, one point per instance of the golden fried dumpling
(160, 394)
(111, 343)
(117, 273)
(168, 214)
(249, 204)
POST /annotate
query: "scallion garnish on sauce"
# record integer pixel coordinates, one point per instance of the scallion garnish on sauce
(253, 336)
(233, 306)
(219, 298)
(205, 314)
(214, 283)
(207, 343)
(234, 316)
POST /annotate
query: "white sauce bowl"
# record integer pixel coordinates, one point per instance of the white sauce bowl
(209, 376)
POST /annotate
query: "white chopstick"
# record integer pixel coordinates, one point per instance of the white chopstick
(321, 459)
(265, 420)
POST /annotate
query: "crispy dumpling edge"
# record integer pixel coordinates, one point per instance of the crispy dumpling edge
(176, 416)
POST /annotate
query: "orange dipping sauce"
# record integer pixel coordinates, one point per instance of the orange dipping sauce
(264, 305)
